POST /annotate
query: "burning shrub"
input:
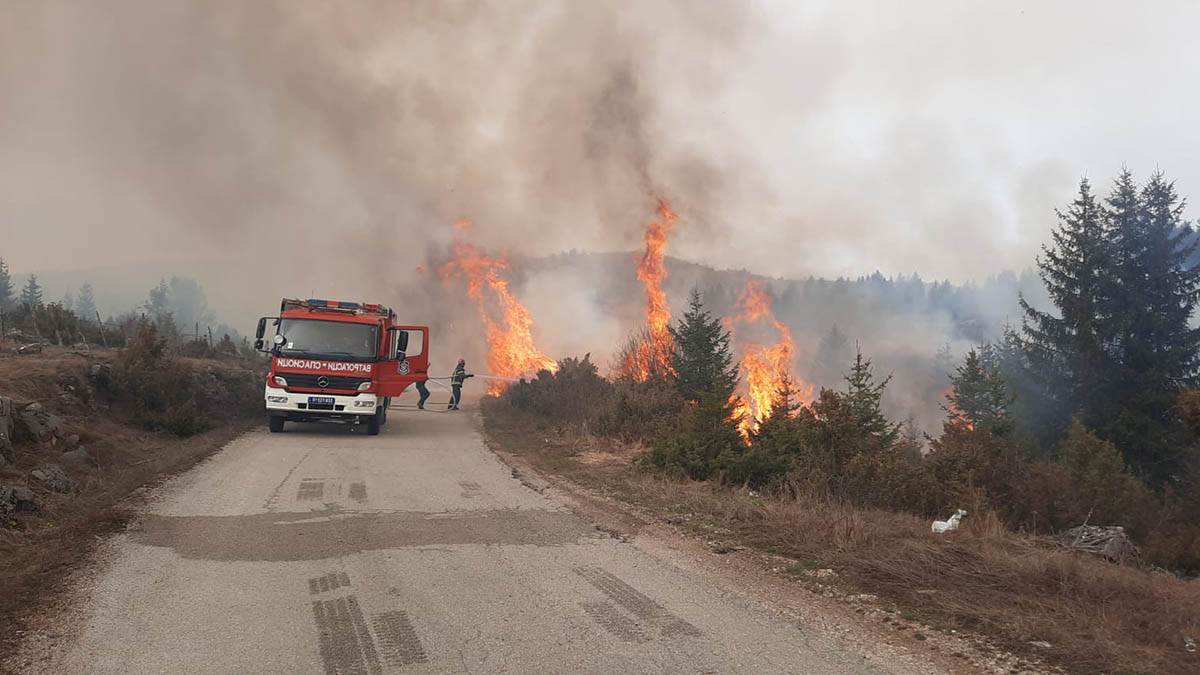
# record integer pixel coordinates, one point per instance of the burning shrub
(575, 394)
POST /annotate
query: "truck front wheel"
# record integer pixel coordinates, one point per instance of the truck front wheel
(374, 422)
(276, 424)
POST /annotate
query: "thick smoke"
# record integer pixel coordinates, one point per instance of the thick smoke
(296, 148)
(327, 146)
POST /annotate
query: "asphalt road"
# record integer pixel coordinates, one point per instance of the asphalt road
(318, 550)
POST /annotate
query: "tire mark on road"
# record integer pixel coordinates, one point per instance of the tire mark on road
(345, 644)
(607, 615)
(398, 639)
(271, 501)
(309, 489)
(328, 582)
(636, 602)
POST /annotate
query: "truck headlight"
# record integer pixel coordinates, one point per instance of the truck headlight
(277, 399)
(364, 386)
(279, 381)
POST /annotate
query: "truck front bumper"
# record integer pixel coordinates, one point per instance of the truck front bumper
(296, 406)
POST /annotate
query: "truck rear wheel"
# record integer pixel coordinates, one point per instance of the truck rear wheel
(374, 422)
(276, 424)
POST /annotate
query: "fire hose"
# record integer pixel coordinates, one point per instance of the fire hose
(437, 381)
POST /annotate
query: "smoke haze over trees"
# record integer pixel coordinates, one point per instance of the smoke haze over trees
(801, 142)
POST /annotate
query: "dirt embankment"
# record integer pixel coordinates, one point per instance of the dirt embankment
(1022, 603)
(84, 431)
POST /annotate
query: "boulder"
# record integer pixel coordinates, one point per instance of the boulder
(15, 499)
(101, 376)
(53, 477)
(40, 424)
(77, 457)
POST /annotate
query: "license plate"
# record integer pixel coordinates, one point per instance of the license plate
(320, 400)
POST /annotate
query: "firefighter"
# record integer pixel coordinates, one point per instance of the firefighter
(459, 376)
(424, 392)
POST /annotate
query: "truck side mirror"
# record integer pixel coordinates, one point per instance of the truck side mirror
(260, 331)
(258, 345)
(402, 341)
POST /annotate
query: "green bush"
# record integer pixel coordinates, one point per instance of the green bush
(165, 393)
(755, 468)
(642, 411)
(707, 443)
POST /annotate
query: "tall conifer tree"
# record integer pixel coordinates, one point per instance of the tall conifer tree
(85, 304)
(864, 396)
(1153, 297)
(702, 361)
(978, 396)
(31, 294)
(1066, 351)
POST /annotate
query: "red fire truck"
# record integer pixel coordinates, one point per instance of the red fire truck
(339, 362)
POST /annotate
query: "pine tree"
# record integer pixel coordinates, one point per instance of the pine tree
(703, 362)
(31, 294)
(864, 396)
(85, 304)
(1154, 294)
(158, 305)
(6, 287)
(706, 376)
(1066, 353)
(979, 398)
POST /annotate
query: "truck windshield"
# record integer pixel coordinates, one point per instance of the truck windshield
(338, 340)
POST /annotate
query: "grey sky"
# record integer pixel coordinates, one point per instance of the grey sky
(796, 138)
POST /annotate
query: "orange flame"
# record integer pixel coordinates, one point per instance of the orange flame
(653, 353)
(511, 350)
(765, 366)
(954, 415)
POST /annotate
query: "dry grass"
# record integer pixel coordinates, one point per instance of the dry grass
(1012, 589)
(38, 550)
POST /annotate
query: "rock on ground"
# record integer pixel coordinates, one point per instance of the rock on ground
(15, 498)
(53, 477)
(40, 424)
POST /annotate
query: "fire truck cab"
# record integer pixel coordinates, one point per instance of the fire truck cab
(339, 362)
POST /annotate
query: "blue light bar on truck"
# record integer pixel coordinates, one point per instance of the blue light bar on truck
(316, 302)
